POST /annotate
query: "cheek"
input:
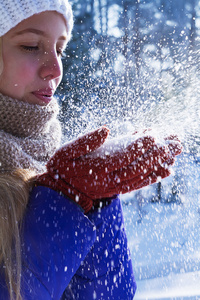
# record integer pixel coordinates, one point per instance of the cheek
(27, 73)
(22, 72)
(16, 77)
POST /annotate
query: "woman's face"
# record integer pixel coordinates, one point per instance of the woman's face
(32, 52)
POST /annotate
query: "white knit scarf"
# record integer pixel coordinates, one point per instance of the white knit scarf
(29, 134)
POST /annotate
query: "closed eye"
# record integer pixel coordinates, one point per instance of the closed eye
(29, 48)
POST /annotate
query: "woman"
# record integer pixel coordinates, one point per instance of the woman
(62, 229)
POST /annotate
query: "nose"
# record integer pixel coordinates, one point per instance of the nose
(51, 66)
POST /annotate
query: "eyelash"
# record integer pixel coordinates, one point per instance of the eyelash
(36, 48)
(29, 48)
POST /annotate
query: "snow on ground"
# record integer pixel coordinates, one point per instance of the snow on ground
(164, 238)
(173, 286)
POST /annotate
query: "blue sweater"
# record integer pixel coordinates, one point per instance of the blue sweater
(64, 250)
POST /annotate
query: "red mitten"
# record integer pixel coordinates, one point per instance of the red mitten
(89, 169)
(64, 158)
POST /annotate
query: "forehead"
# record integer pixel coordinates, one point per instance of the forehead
(49, 22)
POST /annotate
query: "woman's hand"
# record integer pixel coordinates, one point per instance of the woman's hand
(91, 168)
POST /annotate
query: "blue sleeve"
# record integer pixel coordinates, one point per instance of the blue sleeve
(106, 272)
(56, 238)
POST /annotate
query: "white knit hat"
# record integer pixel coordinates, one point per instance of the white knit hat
(13, 12)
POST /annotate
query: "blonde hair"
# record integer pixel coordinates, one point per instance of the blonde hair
(14, 194)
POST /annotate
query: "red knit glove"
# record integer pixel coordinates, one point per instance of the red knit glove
(86, 170)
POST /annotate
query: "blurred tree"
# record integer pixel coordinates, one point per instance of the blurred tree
(127, 48)
(124, 58)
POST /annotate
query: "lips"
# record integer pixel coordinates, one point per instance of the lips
(45, 95)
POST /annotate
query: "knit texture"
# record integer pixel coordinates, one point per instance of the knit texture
(29, 134)
(13, 12)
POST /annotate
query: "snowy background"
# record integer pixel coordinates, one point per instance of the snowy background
(164, 239)
(132, 65)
